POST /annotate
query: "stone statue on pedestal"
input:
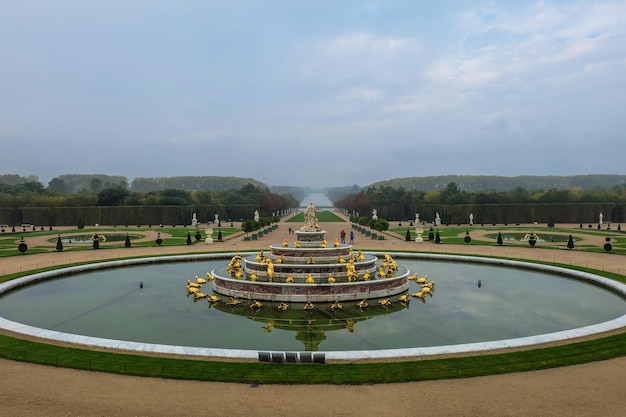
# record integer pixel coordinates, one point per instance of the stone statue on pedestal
(418, 233)
(310, 220)
(209, 235)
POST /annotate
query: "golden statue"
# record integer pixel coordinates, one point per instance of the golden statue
(351, 273)
(270, 270)
(233, 302)
(385, 302)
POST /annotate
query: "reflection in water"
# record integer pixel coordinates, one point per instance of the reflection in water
(310, 326)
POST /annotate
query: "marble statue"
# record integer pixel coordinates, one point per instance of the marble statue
(471, 219)
(374, 214)
(217, 220)
(600, 218)
(437, 219)
(256, 215)
(194, 220)
(417, 218)
(310, 220)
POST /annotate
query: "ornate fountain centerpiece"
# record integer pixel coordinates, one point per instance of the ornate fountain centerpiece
(310, 270)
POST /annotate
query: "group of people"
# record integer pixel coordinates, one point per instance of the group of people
(343, 236)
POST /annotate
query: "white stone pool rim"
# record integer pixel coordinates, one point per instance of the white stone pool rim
(138, 347)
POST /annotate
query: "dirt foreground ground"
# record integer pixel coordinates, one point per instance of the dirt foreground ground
(594, 389)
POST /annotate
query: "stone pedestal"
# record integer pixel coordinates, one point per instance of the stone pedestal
(418, 232)
(310, 239)
(209, 233)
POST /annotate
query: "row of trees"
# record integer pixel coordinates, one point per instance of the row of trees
(374, 197)
(32, 194)
(94, 183)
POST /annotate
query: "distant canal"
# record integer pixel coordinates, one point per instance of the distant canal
(318, 199)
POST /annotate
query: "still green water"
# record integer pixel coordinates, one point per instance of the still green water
(509, 303)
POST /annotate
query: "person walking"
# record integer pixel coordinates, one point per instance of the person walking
(351, 237)
(343, 236)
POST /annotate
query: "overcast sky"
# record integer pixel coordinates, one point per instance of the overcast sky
(312, 93)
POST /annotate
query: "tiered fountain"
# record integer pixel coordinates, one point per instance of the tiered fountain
(310, 270)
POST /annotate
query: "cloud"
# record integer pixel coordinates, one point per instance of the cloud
(361, 94)
(269, 91)
(361, 56)
(204, 137)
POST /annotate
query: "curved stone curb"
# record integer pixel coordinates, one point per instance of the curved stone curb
(611, 285)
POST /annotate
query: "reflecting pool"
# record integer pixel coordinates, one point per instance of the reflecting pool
(471, 303)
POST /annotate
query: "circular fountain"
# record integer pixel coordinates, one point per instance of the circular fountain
(310, 270)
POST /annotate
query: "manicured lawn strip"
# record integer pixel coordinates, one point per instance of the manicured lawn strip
(340, 373)
(178, 237)
(456, 235)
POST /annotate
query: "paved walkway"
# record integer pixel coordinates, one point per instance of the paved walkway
(600, 261)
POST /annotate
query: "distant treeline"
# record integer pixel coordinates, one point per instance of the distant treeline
(73, 183)
(518, 205)
(29, 202)
(477, 183)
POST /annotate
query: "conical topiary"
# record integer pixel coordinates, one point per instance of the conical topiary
(570, 242)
